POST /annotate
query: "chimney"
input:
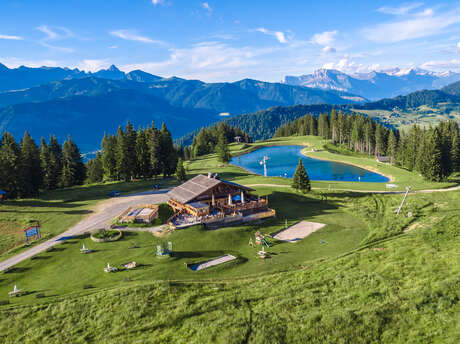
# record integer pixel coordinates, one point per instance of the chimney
(209, 175)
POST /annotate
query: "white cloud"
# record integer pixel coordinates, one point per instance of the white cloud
(401, 10)
(348, 65)
(132, 36)
(453, 64)
(210, 61)
(418, 25)
(206, 6)
(458, 45)
(11, 37)
(55, 33)
(93, 65)
(328, 49)
(158, 2)
(280, 36)
(325, 38)
(113, 47)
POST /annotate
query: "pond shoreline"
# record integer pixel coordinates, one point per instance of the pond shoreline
(303, 152)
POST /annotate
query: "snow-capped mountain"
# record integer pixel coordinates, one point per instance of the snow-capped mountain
(375, 85)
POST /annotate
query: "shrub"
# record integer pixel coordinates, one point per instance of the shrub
(105, 234)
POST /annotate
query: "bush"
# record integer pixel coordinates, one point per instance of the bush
(105, 234)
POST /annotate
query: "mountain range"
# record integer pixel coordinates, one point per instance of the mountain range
(61, 101)
(375, 85)
(425, 107)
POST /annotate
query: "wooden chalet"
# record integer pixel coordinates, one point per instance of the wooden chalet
(209, 199)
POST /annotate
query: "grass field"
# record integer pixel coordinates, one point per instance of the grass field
(400, 285)
(368, 276)
(56, 210)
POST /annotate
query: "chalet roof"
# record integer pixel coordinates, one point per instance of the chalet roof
(194, 187)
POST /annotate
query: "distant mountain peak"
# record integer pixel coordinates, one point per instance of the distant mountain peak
(113, 68)
(3, 67)
(375, 84)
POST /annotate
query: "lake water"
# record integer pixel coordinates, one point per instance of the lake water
(284, 159)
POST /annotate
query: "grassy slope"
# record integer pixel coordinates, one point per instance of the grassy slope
(56, 210)
(423, 115)
(406, 291)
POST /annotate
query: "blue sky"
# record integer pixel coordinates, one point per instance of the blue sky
(219, 40)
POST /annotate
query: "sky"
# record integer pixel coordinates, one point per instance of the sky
(228, 40)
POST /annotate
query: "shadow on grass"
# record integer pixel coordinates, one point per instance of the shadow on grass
(16, 270)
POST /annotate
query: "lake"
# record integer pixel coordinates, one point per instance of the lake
(283, 161)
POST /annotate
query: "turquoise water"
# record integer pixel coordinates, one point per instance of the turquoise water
(284, 159)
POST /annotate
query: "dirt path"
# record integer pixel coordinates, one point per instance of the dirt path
(453, 188)
(104, 212)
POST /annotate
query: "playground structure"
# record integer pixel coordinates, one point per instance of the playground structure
(15, 292)
(298, 231)
(142, 213)
(130, 265)
(216, 261)
(164, 250)
(85, 250)
(259, 240)
(32, 231)
(110, 268)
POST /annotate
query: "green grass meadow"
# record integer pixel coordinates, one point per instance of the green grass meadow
(368, 276)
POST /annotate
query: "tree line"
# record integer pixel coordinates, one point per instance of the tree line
(130, 154)
(26, 168)
(215, 139)
(434, 152)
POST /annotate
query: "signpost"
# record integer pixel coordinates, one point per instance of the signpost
(32, 231)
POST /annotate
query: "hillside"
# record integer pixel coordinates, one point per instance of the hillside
(426, 107)
(86, 118)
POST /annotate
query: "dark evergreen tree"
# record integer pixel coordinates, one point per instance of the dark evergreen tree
(154, 143)
(10, 166)
(433, 158)
(109, 160)
(300, 181)
(223, 153)
(30, 167)
(180, 171)
(55, 171)
(73, 169)
(143, 166)
(455, 153)
(168, 157)
(47, 166)
(95, 170)
(392, 146)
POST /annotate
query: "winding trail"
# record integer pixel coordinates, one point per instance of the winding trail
(103, 213)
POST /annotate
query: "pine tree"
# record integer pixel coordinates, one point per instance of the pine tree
(154, 143)
(392, 146)
(9, 166)
(30, 168)
(455, 152)
(73, 169)
(143, 166)
(122, 156)
(180, 171)
(55, 163)
(223, 153)
(47, 166)
(168, 157)
(300, 181)
(109, 161)
(95, 171)
(433, 157)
